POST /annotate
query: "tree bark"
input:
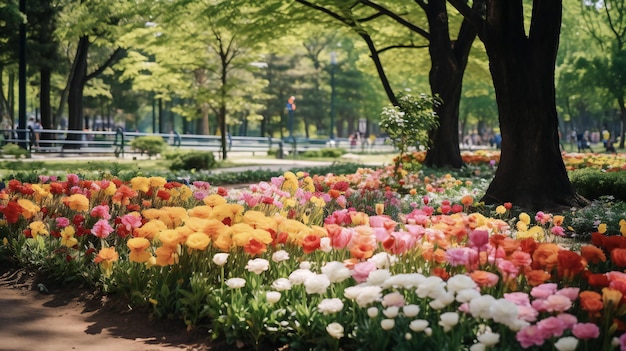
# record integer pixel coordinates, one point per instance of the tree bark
(75, 92)
(531, 173)
(448, 63)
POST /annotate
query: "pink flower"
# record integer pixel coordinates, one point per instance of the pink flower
(518, 298)
(362, 270)
(557, 303)
(508, 269)
(343, 239)
(569, 319)
(543, 291)
(101, 211)
(457, 208)
(458, 256)
(62, 222)
(417, 231)
(425, 199)
(72, 179)
(558, 230)
(571, 293)
(527, 313)
(102, 229)
(622, 342)
(530, 336)
(130, 221)
(478, 238)
(551, 326)
(586, 331)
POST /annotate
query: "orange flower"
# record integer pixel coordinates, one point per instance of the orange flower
(165, 256)
(150, 229)
(591, 301)
(484, 279)
(105, 258)
(310, 243)
(467, 200)
(545, 256)
(170, 238)
(123, 195)
(598, 280)
(558, 220)
(536, 277)
(254, 247)
(570, 263)
(198, 241)
(77, 202)
(618, 257)
(138, 249)
(592, 254)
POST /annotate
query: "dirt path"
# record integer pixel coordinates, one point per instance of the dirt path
(69, 320)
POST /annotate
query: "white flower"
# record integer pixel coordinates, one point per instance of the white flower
(407, 281)
(220, 259)
(448, 320)
(325, 245)
(352, 292)
(336, 271)
(281, 284)
(442, 301)
(258, 265)
(328, 306)
(428, 331)
(316, 284)
(298, 276)
(236, 283)
(391, 312)
(387, 324)
(372, 312)
(383, 260)
(393, 299)
(368, 295)
(479, 306)
(568, 343)
(335, 330)
(432, 287)
(504, 311)
(459, 282)
(272, 296)
(305, 265)
(411, 310)
(408, 336)
(418, 325)
(280, 256)
(467, 295)
(378, 277)
(489, 338)
(478, 347)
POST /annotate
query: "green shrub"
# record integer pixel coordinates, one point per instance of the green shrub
(150, 145)
(191, 160)
(14, 150)
(325, 153)
(594, 183)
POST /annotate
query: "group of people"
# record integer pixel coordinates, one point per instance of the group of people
(583, 141)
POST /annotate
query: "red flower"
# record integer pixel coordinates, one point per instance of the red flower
(254, 247)
(78, 220)
(279, 238)
(57, 188)
(570, 263)
(508, 205)
(171, 185)
(310, 243)
(222, 191)
(11, 212)
(599, 280)
(441, 273)
(163, 195)
(618, 256)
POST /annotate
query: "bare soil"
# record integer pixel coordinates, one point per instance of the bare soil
(74, 318)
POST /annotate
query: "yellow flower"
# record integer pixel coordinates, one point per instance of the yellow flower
(5, 241)
(67, 237)
(296, 230)
(232, 211)
(359, 218)
(524, 217)
(150, 229)
(157, 182)
(308, 185)
(140, 184)
(29, 209)
(211, 227)
(105, 258)
(242, 233)
(200, 211)
(214, 200)
(622, 227)
(165, 256)
(223, 239)
(38, 228)
(170, 238)
(521, 226)
(258, 219)
(198, 241)
(611, 297)
(602, 228)
(500, 210)
(558, 220)
(77, 202)
(138, 249)
(41, 192)
(380, 209)
(111, 189)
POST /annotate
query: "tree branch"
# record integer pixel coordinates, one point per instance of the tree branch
(115, 56)
(475, 18)
(397, 18)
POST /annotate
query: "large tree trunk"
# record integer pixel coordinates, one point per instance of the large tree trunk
(75, 92)
(531, 173)
(448, 63)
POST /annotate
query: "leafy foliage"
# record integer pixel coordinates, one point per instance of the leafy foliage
(150, 145)
(593, 183)
(194, 160)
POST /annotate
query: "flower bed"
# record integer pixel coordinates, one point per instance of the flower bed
(329, 262)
